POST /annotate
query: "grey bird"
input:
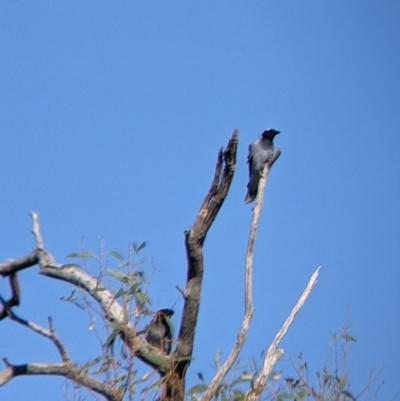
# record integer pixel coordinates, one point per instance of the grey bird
(160, 332)
(260, 153)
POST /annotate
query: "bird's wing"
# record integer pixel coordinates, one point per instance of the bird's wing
(168, 322)
(250, 160)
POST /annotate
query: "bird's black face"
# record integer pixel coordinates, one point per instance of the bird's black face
(270, 133)
(166, 312)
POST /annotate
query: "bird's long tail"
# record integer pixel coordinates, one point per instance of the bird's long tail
(250, 196)
(252, 188)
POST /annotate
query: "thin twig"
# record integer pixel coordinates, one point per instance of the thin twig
(36, 231)
(50, 334)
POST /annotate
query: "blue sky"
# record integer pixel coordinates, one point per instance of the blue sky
(112, 114)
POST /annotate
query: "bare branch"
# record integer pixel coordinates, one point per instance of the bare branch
(194, 239)
(15, 296)
(372, 377)
(249, 310)
(60, 369)
(50, 334)
(181, 291)
(274, 354)
(36, 231)
(13, 266)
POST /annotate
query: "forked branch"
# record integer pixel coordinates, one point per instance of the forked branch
(65, 369)
(274, 354)
(194, 239)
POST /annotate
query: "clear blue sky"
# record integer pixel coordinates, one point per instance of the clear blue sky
(112, 114)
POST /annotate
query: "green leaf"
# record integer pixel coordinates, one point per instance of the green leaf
(81, 255)
(117, 326)
(120, 276)
(73, 255)
(92, 363)
(348, 395)
(300, 395)
(120, 293)
(185, 358)
(198, 388)
(98, 289)
(71, 298)
(134, 288)
(242, 379)
(141, 298)
(122, 264)
(111, 338)
(116, 255)
(238, 395)
(145, 377)
(343, 381)
(349, 337)
(138, 248)
(141, 246)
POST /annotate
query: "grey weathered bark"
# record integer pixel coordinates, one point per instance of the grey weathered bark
(194, 240)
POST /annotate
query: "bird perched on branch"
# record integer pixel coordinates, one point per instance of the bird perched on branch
(160, 331)
(260, 153)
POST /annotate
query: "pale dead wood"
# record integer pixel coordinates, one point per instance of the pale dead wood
(65, 369)
(48, 333)
(274, 354)
(249, 310)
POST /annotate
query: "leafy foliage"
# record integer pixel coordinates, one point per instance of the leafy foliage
(331, 383)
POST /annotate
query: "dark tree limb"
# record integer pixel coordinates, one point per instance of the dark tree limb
(15, 297)
(14, 266)
(194, 240)
(65, 369)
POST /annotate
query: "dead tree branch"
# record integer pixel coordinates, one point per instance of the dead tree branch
(48, 333)
(14, 266)
(65, 369)
(15, 296)
(274, 354)
(194, 240)
(249, 310)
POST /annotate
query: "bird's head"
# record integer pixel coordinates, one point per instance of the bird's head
(270, 133)
(165, 312)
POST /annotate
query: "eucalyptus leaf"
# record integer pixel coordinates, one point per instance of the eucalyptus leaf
(116, 255)
(198, 388)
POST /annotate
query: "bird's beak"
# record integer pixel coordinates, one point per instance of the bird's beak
(277, 132)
